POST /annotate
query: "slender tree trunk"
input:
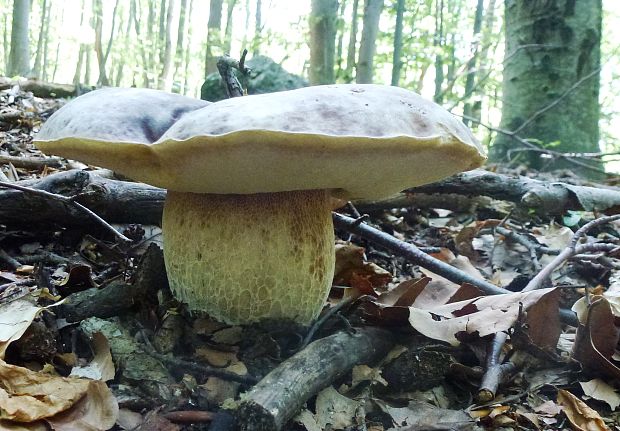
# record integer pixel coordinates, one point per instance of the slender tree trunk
(244, 43)
(81, 54)
(101, 58)
(322, 41)
(36, 69)
(351, 51)
(188, 48)
(258, 28)
(161, 33)
(46, 44)
(230, 8)
(19, 58)
(471, 64)
(438, 43)
(372, 13)
(150, 66)
(551, 80)
(214, 42)
(397, 62)
(87, 66)
(339, 45)
(178, 55)
(165, 79)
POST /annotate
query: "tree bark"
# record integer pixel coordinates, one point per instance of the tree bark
(322, 41)
(165, 78)
(351, 51)
(36, 69)
(101, 58)
(214, 42)
(188, 48)
(551, 80)
(230, 8)
(340, 28)
(438, 44)
(19, 58)
(372, 13)
(258, 28)
(398, 43)
(471, 64)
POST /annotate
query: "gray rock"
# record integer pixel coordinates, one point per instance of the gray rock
(266, 76)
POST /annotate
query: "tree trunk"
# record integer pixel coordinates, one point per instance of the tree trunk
(230, 8)
(36, 70)
(258, 28)
(339, 45)
(101, 58)
(438, 44)
(19, 58)
(397, 63)
(372, 12)
(471, 64)
(188, 48)
(178, 54)
(551, 80)
(351, 51)
(214, 42)
(244, 43)
(46, 43)
(165, 79)
(322, 41)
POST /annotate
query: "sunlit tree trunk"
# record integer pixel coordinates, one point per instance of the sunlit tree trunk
(81, 54)
(165, 78)
(19, 58)
(188, 48)
(397, 62)
(246, 28)
(230, 8)
(36, 69)
(214, 42)
(340, 28)
(472, 63)
(551, 80)
(322, 41)
(364, 69)
(438, 44)
(258, 28)
(351, 51)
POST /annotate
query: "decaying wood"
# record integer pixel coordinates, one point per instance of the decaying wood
(551, 198)
(34, 163)
(44, 89)
(115, 201)
(282, 392)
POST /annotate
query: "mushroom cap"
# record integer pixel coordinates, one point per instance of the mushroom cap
(359, 141)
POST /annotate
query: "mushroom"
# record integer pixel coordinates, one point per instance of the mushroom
(247, 222)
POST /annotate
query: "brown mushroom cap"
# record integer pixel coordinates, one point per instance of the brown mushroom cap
(360, 141)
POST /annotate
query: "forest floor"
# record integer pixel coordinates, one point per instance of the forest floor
(91, 337)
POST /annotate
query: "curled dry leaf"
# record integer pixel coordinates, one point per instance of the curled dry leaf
(335, 409)
(602, 391)
(102, 365)
(15, 317)
(597, 337)
(480, 316)
(28, 396)
(580, 415)
(352, 270)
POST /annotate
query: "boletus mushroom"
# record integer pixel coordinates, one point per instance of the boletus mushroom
(247, 222)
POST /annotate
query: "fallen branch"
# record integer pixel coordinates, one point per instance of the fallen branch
(415, 255)
(553, 198)
(270, 404)
(33, 163)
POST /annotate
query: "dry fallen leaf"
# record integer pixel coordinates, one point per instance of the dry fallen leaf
(15, 318)
(102, 365)
(334, 409)
(28, 396)
(602, 391)
(352, 270)
(579, 414)
(476, 317)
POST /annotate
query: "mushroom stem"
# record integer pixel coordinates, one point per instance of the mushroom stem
(243, 258)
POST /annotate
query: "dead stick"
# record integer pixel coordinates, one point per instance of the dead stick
(270, 404)
(415, 255)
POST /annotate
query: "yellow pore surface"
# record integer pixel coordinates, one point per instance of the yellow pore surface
(243, 258)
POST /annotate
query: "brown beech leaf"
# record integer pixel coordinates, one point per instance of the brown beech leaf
(352, 270)
(28, 396)
(579, 414)
(15, 317)
(477, 317)
(597, 337)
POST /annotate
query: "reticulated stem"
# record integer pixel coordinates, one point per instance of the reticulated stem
(243, 258)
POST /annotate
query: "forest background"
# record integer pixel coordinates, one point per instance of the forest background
(452, 51)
